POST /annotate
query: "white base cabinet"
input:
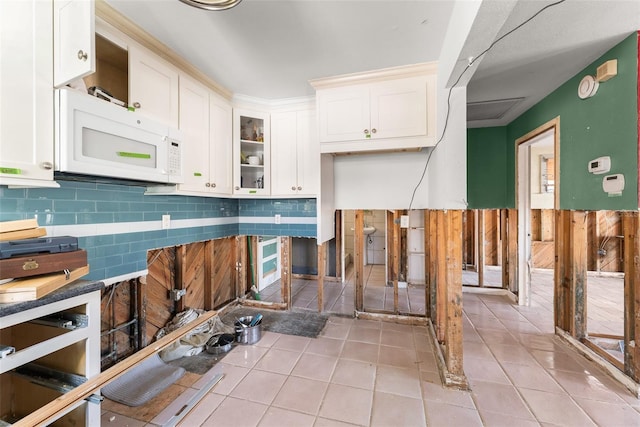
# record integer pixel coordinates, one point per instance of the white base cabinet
(295, 154)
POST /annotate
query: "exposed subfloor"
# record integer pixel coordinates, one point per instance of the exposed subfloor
(363, 372)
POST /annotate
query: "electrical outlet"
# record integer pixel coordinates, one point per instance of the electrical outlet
(166, 222)
(404, 221)
(276, 219)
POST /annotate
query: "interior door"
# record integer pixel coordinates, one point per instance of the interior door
(268, 261)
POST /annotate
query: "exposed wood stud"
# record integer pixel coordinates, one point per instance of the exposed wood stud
(142, 312)
(208, 273)
(359, 260)
(322, 267)
(441, 276)
(396, 257)
(560, 280)
(433, 264)
(181, 255)
(241, 266)
(391, 272)
(481, 247)
(285, 270)
(631, 294)
(338, 240)
(578, 264)
(427, 263)
(510, 247)
(504, 248)
(453, 337)
(498, 235)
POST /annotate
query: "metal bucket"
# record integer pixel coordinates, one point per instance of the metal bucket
(248, 334)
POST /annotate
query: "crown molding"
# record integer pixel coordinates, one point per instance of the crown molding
(404, 71)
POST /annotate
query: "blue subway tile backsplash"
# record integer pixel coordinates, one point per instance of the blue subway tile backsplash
(123, 249)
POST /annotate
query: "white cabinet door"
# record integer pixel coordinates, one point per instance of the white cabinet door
(194, 125)
(73, 40)
(26, 95)
(153, 86)
(308, 150)
(399, 108)
(343, 113)
(221, 146)
(251, 153)
(284, 163)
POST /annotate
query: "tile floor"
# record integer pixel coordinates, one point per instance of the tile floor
(361, 372)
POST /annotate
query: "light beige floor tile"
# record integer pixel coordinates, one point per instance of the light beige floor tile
(364, 334)
(554, 408)
(268, 338)
(484, 370)
(443, 415)
(397, 339)
(395, 410)
(400, 381)
(259, 386)
(430, 377)
(499, 398)
(292, 343)
(513, 354)
(532, 377)
(336, 330)
(438, 393)
(301, 394)
(278, 361)
(112, 419)
(363, 323)
(245, 355)
(494, 419)
(608, 414)
(278, 417)
(201, 412)
(427, 361)
(585, 385)
(399, 327)
(362, 352)
(341, 320)
(558, 360)
(325, 347)
(315, 367)
(477, 349)
(491, 336)
(399, 357)
(236, 412)
(325, 422)
(348, 404)
(354, 374)
(232, 376)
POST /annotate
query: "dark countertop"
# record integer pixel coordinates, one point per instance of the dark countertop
(78, 287)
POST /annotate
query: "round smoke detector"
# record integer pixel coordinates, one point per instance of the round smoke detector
(588, 87)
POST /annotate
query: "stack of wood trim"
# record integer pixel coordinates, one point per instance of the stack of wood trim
(20, 229)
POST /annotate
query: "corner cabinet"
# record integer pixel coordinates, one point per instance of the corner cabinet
(251, 153)
(56, 347)
(295, 154)
(387, 110)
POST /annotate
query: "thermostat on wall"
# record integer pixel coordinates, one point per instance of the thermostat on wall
(613, 184)
(600, 165)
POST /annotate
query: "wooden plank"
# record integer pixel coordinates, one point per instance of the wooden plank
(19, 224)
(242, 263)
(546, 225)
(208, 273)
(504, 248)
(631, 294)
(593, 259)
(359, 260)
(391, 271)
(561, 306)
(141, 303)
(264, 304)
(66, 401)
(181, 266)
(32, 288)
(285, 271)
(23, 234)
(543, 254)
(578, 262)
(498, 235)
(322, 267)
(453, 329)
(433, 263)
(160, 280)
(536, 225)
(481, 247)
(427, 262)
(223, 274)
(393, 318)
(194, 277)
(338, 240)
(512, 250)
(441, 276)
(396, 257)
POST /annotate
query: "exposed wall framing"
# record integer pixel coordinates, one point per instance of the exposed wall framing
(631, 295)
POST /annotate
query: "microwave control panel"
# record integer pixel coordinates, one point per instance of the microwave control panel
(174, 158)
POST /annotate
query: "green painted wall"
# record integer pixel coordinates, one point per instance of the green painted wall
(606, 124)
(487, 168)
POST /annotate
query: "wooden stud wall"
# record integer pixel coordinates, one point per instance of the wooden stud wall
(285, 272)
(359, 260)
(631, 234)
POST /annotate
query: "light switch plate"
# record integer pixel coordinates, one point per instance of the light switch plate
(276, 219)
(404, 221)
(166, 222)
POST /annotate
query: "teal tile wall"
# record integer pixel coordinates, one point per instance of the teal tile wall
(110, 255)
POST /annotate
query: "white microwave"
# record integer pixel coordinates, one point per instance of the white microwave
(97, 138)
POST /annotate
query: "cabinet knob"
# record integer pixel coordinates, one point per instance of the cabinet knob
(207, 185)
(293, 187)
(213, 185)
(82, 55)
(366, 131)
(237, 188)
(299, 188)
(136, 105)
(373, 130)
(46, 166)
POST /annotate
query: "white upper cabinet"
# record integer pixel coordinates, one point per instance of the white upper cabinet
(26, 93)
(295, 154)
(153, 86)
(377, 111)
(251, 152)
(73, 40)
(220, 145)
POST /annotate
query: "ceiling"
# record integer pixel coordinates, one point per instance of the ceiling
(270, 49)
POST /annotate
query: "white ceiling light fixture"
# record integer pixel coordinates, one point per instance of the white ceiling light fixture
(212, 4)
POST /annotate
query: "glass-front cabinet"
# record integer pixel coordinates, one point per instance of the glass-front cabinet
(251, 152)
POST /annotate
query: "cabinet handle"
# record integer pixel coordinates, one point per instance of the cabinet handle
(46, 166)
(366, 131)
(293, 187)
(207, 185)
(373, 130)
(82, 55)
(299, 188)
(237, 188)
(136, 105)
